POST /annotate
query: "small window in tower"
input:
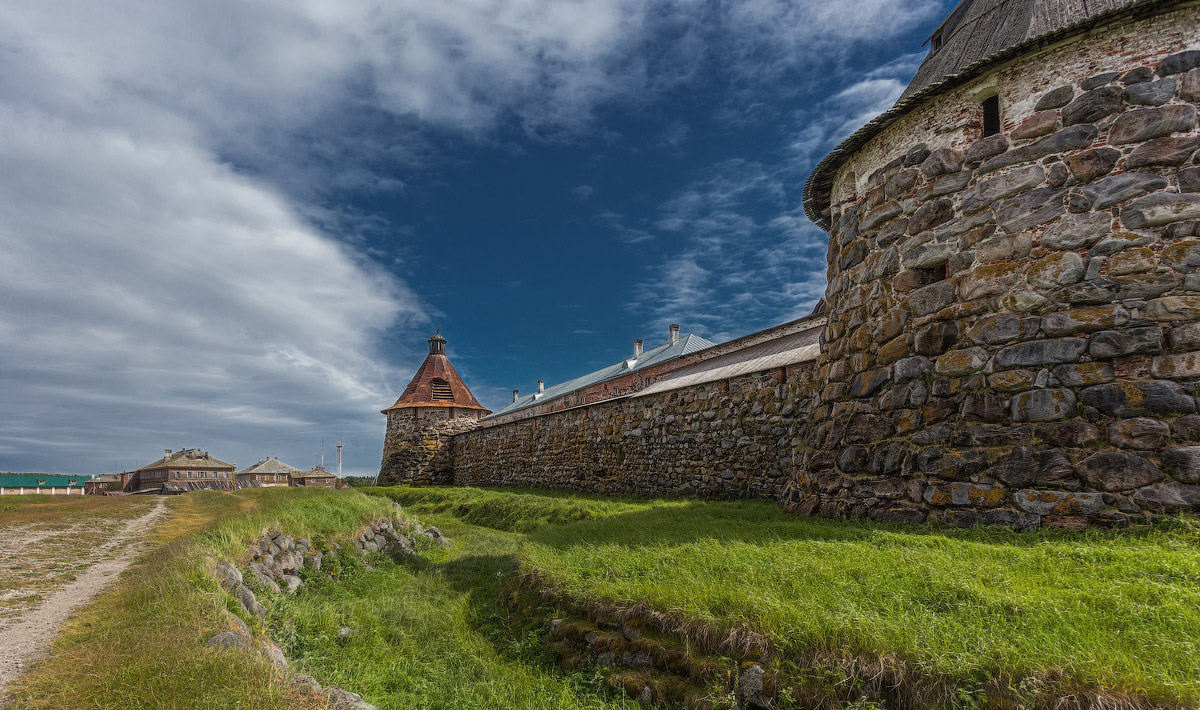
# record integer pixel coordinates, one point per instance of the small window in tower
(935, 41)
(931, 275)
(991, 115)
(440, 389)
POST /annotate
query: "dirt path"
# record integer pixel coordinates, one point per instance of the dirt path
(24, 638)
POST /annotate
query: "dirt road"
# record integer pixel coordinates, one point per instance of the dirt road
(25, 636)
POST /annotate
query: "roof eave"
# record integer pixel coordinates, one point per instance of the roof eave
(820, 180)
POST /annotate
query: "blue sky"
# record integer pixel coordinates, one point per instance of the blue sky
(232, 225)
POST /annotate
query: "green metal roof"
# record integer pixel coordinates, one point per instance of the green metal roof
(41, 480)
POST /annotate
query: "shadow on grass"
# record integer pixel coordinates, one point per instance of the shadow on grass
(763, 522)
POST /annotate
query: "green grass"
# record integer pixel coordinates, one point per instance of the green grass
(1116, 611)
(140, 645)
(428, 634)
(958, 610)
(513, 510)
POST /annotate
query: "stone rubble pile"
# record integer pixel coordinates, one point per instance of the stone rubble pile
(381, 536)
(276, 560)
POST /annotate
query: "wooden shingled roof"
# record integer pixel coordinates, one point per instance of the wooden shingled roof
(437, 383)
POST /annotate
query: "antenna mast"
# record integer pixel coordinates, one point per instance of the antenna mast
(339, 455)
(322, 453)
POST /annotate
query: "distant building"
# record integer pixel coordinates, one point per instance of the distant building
(41, 484)
(179, 471)
(99, 485)
(314, 478)
(265, 473)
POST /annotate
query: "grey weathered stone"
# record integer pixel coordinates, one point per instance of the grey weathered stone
(930, 215)
(229, 639)
(1084, 320)
(1174, 308)
(228, 576)
(985, 148)
(1092, 105)
(1171, 150)
(1179, 62)
(1032, 466)
(1142, 433)
(1031, 208)
(911, 368)
(1189, 86)
(1108, 344)
(1044, 502)
(292, 583)
(1043, 405)
(1090, 164)
(931, 298)
(987, 192)
(1099, 80)
(1150, 93)
(1137, 75)
(1055, 98)
(1072, 138)
(1003, 328)
(1168, 497)
(1076, 230)
(1120, 241)
(1004, 246)
(1183, 463)
(936, 338)
(1139, 398)
(1041, 352)
(942, 161)
(1123, 186)
(345, 700)
(1145, 123)
(1182, 256)
(1059, 269)
(1037, 125)
(1073, 434)
(1160, 208)
(249, 601)
(1189, 179)
(1118, 471)
(928, 254)
(750, 692)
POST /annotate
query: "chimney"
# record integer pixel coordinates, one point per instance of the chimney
(672, 333)
(166, 453)
(541, 386)
(516, 393)
(637, 349)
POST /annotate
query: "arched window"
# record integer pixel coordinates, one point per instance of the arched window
(440, 389)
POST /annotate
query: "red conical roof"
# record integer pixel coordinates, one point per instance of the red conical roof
(437, 383)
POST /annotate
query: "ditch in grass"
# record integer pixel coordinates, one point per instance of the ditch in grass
(947, 617)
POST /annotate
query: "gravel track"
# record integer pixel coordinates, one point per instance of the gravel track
(24, 638)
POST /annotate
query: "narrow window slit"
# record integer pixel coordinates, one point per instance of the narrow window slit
(991, 115)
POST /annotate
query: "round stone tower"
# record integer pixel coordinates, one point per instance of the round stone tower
(1013, 277)
(435, 405)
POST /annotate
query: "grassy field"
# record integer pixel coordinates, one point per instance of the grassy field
(956, 614)
(956, 610)
(48, 540)
(140, 645)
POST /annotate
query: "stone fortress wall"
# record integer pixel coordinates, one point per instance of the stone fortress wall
(734, 438)
(1013, 330)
